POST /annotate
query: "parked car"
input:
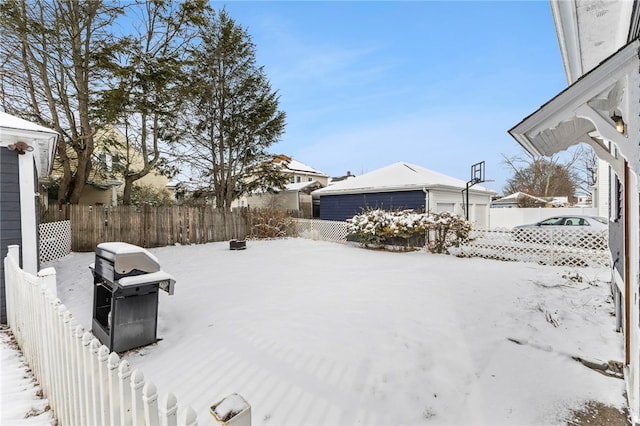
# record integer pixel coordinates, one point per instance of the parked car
(581, 231)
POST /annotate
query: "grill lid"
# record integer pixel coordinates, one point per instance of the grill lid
(127, 257)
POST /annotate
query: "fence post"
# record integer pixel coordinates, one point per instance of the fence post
(77, 370)
(137, 410)
(169, 410)
(47, 342)
(124, 376)
(188, 418)
(103, 379)
(48, 279)
(13, 255)
(87, 338)
(95, 381)
(114, 398)
(150, 399)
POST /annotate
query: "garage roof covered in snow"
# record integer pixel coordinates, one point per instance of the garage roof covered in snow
(399, 176)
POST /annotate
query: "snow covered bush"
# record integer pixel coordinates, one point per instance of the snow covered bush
(370, 227)
(447, 230)
(379, 228)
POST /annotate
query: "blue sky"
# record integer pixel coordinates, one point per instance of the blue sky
(437, 84)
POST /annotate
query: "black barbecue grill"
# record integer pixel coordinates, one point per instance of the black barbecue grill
(125, 294)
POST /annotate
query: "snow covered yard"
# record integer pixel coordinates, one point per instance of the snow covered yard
(21, 400)
(315, 333)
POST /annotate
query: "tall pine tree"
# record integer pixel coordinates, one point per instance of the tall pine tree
(232, 116)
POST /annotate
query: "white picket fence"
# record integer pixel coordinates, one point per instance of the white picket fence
(84, 383)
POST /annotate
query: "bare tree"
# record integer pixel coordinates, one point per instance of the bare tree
(587, 166)
(145, 81)
(547, 176)
(50, 76)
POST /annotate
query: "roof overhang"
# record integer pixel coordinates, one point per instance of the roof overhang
(590, 30)
(369, 190)
(43, 140)
(582, 113)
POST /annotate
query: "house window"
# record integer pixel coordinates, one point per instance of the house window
(309, 179)
(104, 161)
(291, 179)
(298, 179)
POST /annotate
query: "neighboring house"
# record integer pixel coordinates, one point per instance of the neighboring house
(295, 196)
(299, 172)
(302, 180)
(585, 201)
(557, 201)
(26, 153)
(106, 181)
(341, 178)
(402, 186)
(518, 199)
(601, 107)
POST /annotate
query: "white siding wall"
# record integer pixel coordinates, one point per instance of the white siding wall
(601, 190)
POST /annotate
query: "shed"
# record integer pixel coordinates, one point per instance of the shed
(402, 186)
(26, 152)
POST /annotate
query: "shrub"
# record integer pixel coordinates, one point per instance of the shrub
(447, 230)
(270, 223)
(378, 228)
(147, 195)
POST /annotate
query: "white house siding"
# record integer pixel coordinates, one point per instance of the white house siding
(453, 202)
(288, 200)
(600, 194)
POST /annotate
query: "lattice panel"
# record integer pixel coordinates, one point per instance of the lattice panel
(55, 240)
(572, 247)
(324, 230)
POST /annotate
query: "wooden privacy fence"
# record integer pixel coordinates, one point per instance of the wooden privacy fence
(149, 226)
(84, 383)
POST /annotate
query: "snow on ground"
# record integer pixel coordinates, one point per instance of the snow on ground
(316, 333)
(19, 399)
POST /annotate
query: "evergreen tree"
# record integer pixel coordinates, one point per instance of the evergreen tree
(232, 115)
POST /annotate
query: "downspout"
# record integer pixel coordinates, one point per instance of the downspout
(627, 275)
(426, 211)
(426, 199)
